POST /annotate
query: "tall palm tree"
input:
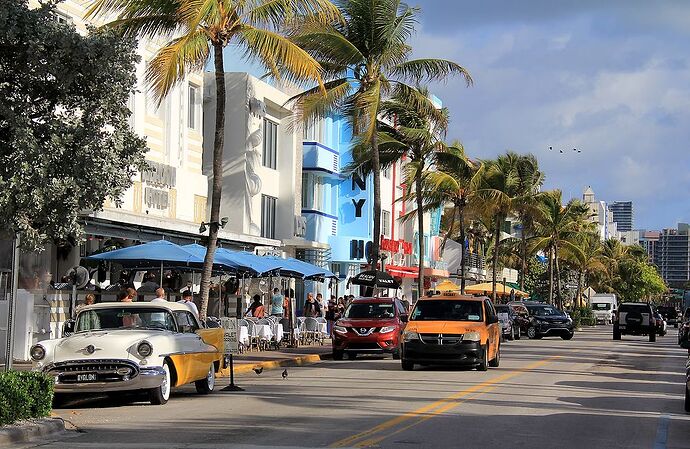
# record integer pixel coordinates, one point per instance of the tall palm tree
(195, 28)
(530, 180)
(585, 257)
(364, 57)
(499, 187)
(453, 184)
(557, 227)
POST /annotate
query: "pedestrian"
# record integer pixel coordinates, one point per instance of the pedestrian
(406, 303)
(311, 307)
(256, 309)
(160, 296)
(123, 296)
(330, 315)
(277, 307)
(88, 300)
(323, 305)
(187, 300)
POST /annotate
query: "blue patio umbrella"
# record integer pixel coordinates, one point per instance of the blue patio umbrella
(292, 267)
(159, 251)
(260, 265)
(230, 260)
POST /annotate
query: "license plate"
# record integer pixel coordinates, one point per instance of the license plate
(88, 377)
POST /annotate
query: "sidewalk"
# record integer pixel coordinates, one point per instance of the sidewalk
(304, 355)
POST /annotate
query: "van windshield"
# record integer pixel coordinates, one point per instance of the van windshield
(601, 306)
(447, 310)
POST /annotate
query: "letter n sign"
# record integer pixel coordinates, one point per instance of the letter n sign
(358, 182)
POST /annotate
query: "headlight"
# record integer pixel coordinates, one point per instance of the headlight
(38, 352)
(387, 329)
(471, 336)
(410, 335)
(340, 330)
(145, 349)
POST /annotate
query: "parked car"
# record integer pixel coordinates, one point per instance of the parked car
(660, 324)
(452, 329)
(670, 314)
(522, 318)
(510, 327)
(547, 320)
(116, 347)
(369, 326)
(634, 318)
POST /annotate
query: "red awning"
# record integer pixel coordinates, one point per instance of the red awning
(403, 272)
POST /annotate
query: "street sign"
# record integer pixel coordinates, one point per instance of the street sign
(230, 335)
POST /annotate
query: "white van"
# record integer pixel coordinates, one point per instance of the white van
(603, 306)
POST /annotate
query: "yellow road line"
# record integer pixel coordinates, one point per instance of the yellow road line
(372, 436)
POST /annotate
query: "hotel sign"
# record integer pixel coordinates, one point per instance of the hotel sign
(158, 178)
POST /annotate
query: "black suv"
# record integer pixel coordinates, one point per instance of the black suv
(634, 318)
(546, 320)
(670, 314)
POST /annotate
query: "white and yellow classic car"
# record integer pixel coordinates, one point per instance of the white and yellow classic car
(115, 347)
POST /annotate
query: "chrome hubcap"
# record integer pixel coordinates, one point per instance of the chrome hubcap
(165, 386)
(211, 378)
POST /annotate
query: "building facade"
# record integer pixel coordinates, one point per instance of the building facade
(622, 215)
(674, 255)
(600, 213)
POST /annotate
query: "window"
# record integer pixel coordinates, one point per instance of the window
(268, 216)
(386, 223)
(186, 322)
(193, 107)
(270, 154)
(62, 18)
(387, 172)
(313, 191)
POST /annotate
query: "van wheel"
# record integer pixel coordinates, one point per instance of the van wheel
(396, 354)
(532, 332)
(511, 337)
(206, 385)
(497, 360)
(337, 355)
(161, 394)
(616, 332)
(484, 363)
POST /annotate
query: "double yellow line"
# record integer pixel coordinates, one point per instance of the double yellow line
(408, 420)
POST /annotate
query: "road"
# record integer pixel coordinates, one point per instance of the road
(590, 392)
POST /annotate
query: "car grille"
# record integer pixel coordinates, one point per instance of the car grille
(364, 331)
(105, 370)
(441, 339)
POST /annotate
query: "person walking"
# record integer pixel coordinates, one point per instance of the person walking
(277, 307)
(160, 296)
(311, 307)
(187, 300)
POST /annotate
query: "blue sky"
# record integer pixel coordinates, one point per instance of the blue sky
(611, 78)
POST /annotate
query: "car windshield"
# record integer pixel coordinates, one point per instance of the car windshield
(447, 310)
(601, 306)
(370, 310)
(125, 318)
(544, 311)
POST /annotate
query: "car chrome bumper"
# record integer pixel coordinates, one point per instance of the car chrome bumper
(465, 353)
(148, 377)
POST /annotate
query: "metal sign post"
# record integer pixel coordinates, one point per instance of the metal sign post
(12, 306)
(231, 346)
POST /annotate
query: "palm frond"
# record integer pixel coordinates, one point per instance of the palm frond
(430, 69)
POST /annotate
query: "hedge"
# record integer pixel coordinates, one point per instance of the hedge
(24, 395)
(583, 316)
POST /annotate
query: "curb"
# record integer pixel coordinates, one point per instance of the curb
(244, 368)
(25, 431)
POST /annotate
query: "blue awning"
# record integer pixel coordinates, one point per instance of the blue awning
(157, 252)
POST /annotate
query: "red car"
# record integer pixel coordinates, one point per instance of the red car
(370, 326)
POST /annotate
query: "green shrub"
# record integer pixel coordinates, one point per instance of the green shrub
(583, 316)
(24, 395)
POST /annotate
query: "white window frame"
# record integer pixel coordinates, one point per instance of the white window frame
(269, 157)
(193, 107)
(386, 223)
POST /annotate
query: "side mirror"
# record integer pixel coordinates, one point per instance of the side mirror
(404, 318)
(492, 319)
(68, 328)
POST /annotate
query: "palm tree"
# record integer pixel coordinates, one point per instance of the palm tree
(364, 57)
(585, 256)
(500, 189)
(194, 28)
(557, 227)
(453, 183)
(530, 180)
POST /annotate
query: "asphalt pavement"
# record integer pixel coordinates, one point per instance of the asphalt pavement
(589, 392)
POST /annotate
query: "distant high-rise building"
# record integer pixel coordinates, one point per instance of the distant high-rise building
(600, 213)
(674, 255)
(622, 214)
(649, 240)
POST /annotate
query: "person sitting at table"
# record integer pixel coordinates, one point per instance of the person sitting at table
(256, 309)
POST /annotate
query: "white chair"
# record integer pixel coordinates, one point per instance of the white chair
(311, 330)
(254, 338)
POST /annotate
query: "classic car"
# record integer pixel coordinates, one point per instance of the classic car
(115, 347)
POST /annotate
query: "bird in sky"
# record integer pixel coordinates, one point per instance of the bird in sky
(258, 369)
(285, 374)
(550, 148)
(561, 151)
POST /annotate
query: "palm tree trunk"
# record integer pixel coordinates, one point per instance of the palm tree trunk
(376, 168)
(420, 223)
(494, 267)
(550, 275)
(578, 296)
(559, 298)
(217, 185)
(462, 253)
(450, 230)
(524, 258)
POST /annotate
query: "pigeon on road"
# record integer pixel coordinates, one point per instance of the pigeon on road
(258, 369)
(285, 374)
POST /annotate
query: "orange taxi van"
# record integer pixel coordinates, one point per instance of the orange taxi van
(452, 330)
